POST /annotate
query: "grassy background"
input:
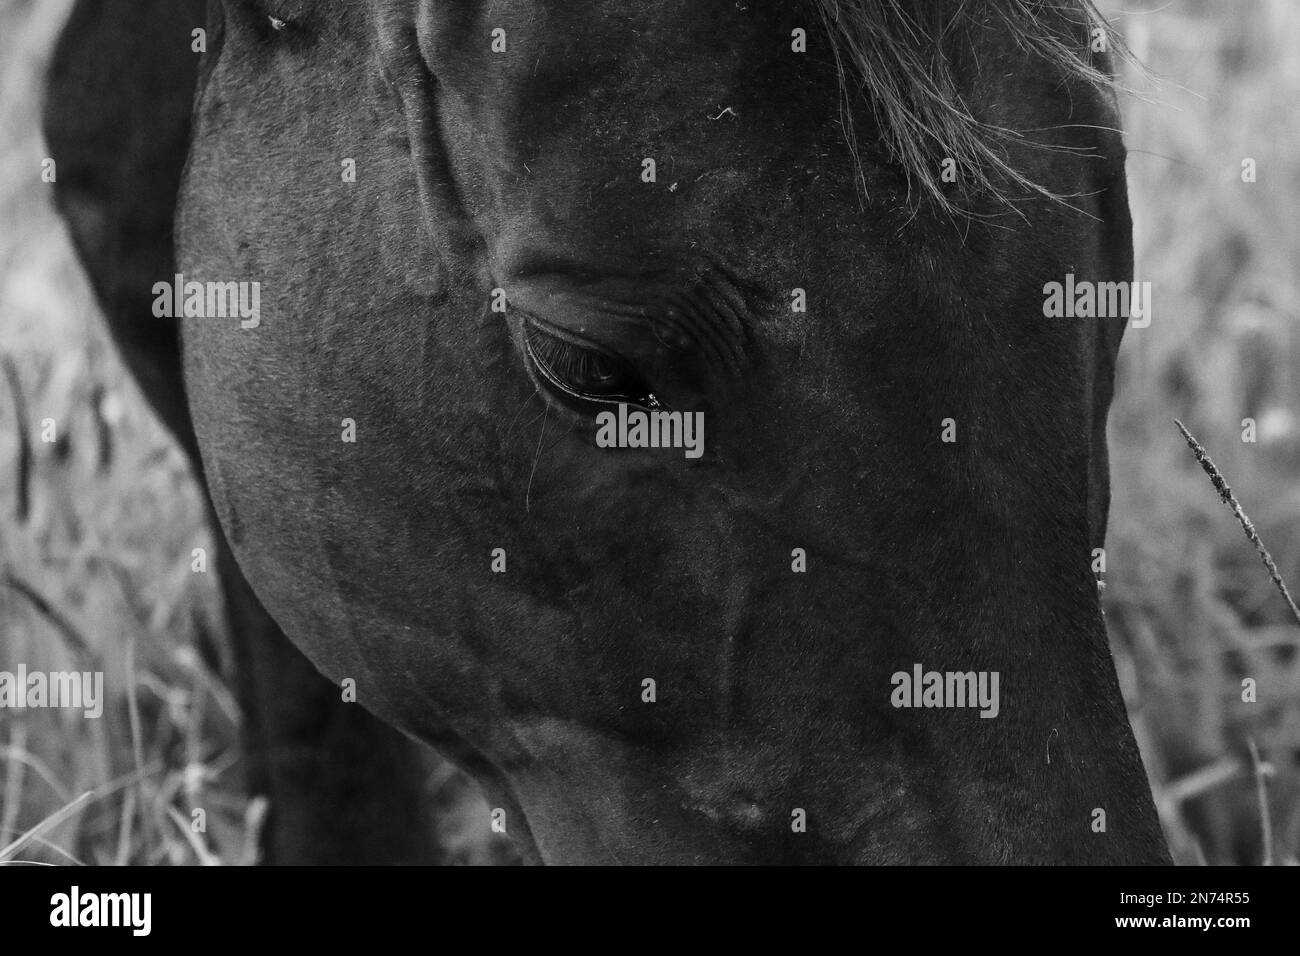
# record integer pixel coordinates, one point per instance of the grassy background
(94, 562)
(1191, 609)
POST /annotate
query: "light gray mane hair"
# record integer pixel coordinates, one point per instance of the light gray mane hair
(896, 54)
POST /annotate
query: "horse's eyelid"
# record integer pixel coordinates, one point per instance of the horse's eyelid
(640, 395)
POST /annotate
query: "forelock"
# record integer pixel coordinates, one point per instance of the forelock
(900, 55)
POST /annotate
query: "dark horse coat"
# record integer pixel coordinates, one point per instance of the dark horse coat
(472, 228)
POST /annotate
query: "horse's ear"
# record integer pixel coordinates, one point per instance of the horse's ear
(118, 99)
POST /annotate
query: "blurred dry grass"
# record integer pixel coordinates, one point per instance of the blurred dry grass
(97, 576)
(1191, 609)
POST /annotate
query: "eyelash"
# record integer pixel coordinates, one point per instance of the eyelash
(561, 364)
(568, 362)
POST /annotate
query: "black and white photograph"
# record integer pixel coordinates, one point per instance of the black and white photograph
(660, 433)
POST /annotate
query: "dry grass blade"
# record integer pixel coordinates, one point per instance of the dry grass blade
(1199, 781)
(15, 774)
(23, 466)
(1262, 772)
(1225, 492)
(19, 754)
(137, 736)
(206, 857)
(49, 823)
(76, 642)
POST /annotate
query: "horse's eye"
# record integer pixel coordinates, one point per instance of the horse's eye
(580, 373)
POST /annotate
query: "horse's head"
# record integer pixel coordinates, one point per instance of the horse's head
(480, 228)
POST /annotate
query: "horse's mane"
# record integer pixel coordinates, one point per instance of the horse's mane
(899, 54)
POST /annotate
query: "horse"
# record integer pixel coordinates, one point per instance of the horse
(823, 591)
